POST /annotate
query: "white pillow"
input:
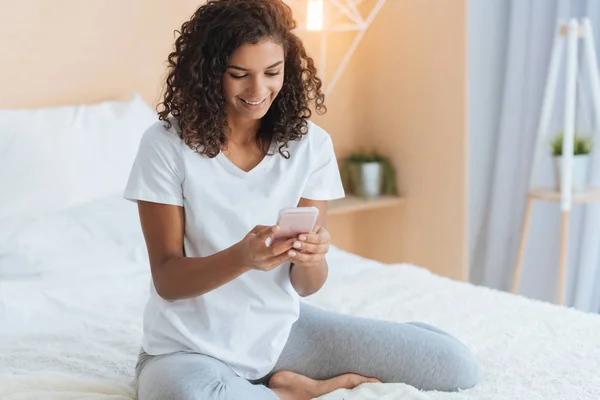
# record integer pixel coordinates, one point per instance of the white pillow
(52, 158)
(99, 237)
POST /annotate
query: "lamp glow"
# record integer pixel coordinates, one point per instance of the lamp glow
(314, 15)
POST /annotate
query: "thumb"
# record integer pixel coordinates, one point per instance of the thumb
(258, 228)
(267, 232)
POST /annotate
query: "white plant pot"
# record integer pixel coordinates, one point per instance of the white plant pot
(371, 179)
(581, 168)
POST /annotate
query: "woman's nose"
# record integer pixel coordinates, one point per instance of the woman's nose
(257, 86)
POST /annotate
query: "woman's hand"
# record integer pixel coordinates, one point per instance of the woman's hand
(255, 253)
(309, 250)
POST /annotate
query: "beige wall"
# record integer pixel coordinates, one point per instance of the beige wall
(413, 70)
(70, 51)
(403, 93)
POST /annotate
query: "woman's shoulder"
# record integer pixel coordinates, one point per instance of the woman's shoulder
(316, 136)
(163, 133)
(312, 145)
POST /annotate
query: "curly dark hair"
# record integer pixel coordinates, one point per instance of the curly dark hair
(193, 91)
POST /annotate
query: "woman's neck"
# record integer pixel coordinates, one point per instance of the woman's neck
(242, 132)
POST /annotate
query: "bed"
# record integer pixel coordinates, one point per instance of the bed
(74, 279)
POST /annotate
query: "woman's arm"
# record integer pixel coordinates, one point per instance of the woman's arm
(177, 277)
(309, 267)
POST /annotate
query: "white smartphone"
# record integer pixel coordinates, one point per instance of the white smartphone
(295, 221)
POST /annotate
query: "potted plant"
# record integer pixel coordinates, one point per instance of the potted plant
(582, 147)
(369, 175)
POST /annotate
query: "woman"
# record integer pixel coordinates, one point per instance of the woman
(233, 147)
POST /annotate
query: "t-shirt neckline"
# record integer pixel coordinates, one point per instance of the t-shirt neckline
(240, 172)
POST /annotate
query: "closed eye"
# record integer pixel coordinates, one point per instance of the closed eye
(245, 75)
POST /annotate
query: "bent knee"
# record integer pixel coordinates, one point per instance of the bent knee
(192, 389)
(459, 370)
(215, 389)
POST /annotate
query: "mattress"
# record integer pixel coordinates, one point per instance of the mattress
(70, 326)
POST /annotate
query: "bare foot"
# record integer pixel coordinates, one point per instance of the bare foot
(292, 386)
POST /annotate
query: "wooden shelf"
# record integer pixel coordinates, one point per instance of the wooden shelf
(549, 194)
(353, 204)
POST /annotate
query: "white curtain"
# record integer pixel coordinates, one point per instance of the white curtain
(529, 43)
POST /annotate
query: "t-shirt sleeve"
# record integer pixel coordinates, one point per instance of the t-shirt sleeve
(324, 181)
(157, 172)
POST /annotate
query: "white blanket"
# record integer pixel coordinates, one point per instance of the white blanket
(78, 338)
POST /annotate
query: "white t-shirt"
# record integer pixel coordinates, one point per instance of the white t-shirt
(246, 322)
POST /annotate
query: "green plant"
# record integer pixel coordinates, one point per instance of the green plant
(360, 157)
(581, 144)
(365, 157)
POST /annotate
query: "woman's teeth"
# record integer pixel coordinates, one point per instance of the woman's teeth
(253, 102)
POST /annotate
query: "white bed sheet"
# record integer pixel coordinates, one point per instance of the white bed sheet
(72, 329)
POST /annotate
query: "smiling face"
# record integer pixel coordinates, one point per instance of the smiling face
(253, 78)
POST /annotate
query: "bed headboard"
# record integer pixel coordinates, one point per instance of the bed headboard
(70, 51)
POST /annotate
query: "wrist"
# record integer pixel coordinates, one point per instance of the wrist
(321, 264)
(308, 279)
(241, 262)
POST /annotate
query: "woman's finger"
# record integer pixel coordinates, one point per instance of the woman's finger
(311, 248)
(266, 233)
(258, 228)
(277, 260)
(313, 238)
(281, 246)
(304, 258)
(320, 236)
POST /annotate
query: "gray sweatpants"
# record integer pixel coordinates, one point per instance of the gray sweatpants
(322, 345)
